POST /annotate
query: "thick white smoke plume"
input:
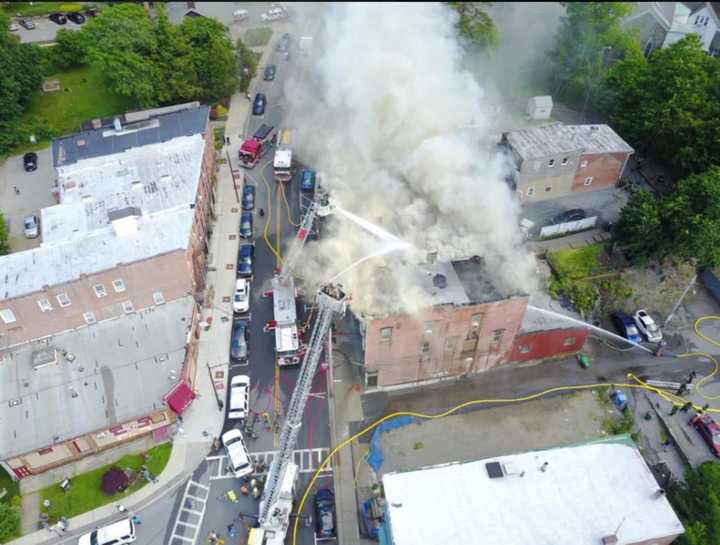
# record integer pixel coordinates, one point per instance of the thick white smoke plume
(384, 110)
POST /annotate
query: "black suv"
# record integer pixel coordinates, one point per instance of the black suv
(269, 73)
(76, 17)
(58, 18)
(30, 161)
(575, 214)
(259, 104)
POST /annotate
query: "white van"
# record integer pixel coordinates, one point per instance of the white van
(240, 463)
(117, 533)
(273, 14)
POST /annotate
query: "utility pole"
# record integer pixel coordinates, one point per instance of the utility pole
(679, 301)
(232, 174)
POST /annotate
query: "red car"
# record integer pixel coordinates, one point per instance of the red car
(709, 430)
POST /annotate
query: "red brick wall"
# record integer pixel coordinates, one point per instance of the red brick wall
(454, 345)
(605, 169)
(547, 344)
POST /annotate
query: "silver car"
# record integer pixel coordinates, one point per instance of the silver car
(647, 326)
(32, 226)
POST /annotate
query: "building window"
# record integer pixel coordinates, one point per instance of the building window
(548, 188)
(371, 379)
(428, 328)
(498, 335)
(476, 321)
(128, 307)
(425, 348)
(524, 349)
(551, 163)
(45, 305)
(7, 316)
(530, 191)
(569, 341)
(63, 300)
(100, 290)
(89, 318)
(588, 181)
(386, 333)
(158, 298)
(118, 285)
(583, 164)
(564, 161)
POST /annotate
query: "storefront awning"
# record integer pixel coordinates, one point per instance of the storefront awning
(179, 398)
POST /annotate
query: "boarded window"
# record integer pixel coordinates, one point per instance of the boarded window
(386, 333)
(470, 343)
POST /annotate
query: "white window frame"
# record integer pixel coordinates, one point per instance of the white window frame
(7, 316)
(63, 300)
(530, 191)
(118, 285)
(588, 181)
(101, 292)
(564, 161)
(159, 298)
(128, 307)
(583, 163)
(551, 163)
(45, 305)
(89, 318)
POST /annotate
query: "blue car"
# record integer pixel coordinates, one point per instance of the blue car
(248, 197)
(245, 260)
(246, 225)
(324, 513)
(626, 327)
(239, 341)
(307, 183)
(259, 104)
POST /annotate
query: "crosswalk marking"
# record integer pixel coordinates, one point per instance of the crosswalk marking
(193, 500)
(307, 460)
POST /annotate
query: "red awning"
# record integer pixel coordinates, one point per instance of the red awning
(179, 398)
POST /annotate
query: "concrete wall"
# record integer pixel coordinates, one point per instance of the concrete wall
(537, 345)
(168, 273)
(538, 181)
(442, 341)
(604, 168)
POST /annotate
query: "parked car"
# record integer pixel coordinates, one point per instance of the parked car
(710, 431)
(58, 18)
(13, 27)
(248, 197)
(269, 73)
(32, 226)
(647, 326)
(273, 14)
(239, 342)
(324, 513)
(246, 225)
(259, 104)
(284, 43)
(117, 533)
(626, 327)
(238, 456)
(30, 161)
(27, 23)
(307, 182)
(245, 260)
(76, 17)
(239, 397)
(241, 297)
(240, 15)
(575, 214)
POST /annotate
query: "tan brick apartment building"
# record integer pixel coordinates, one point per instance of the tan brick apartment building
(557, 160)
(122, 259)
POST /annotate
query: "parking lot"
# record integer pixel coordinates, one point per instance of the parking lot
(34, 193)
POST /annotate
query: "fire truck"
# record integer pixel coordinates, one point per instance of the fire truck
(253, 149)
(282, 163)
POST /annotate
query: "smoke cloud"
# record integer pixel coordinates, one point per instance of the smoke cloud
(385, 109)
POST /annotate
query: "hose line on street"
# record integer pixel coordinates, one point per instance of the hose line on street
(268, 220)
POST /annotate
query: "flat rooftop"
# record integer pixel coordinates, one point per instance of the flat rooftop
(284, 306)
(585, 493)
(557, 138)
(121, 370)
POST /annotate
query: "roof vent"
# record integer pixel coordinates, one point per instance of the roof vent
(440, 281)
(494, 470)
(610, 540)
(117, 124)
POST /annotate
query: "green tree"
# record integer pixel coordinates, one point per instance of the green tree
(697, 502)
(640, 227)
(669, 106)
(4, 236)
(589, 37)
(9, 519)
(474, 25)
(248, 64)
(212, 56)
(70, 49)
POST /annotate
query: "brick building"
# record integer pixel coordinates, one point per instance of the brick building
(127, 241)
(556, 160)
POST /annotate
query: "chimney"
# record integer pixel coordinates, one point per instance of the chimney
(610, 540)
(117, 124)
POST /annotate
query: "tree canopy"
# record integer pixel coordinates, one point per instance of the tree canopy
(684, 224)
(474, 25)
(589, 37)
(697, 502)
(9, 519)
(669, 106)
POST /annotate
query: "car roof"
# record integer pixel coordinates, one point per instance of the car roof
(240, 379)
(246, 249)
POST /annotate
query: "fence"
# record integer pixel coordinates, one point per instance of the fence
(569, 227)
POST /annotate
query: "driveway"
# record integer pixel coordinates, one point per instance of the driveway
(34, 194)
(44, 32)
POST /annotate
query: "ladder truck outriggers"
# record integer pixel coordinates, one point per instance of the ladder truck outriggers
(282, 162)
(253, 149)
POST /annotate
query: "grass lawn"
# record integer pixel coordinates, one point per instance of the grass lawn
(578, 263)
(30, 9)
(87, 98)
(85, 493)
(255, 37)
